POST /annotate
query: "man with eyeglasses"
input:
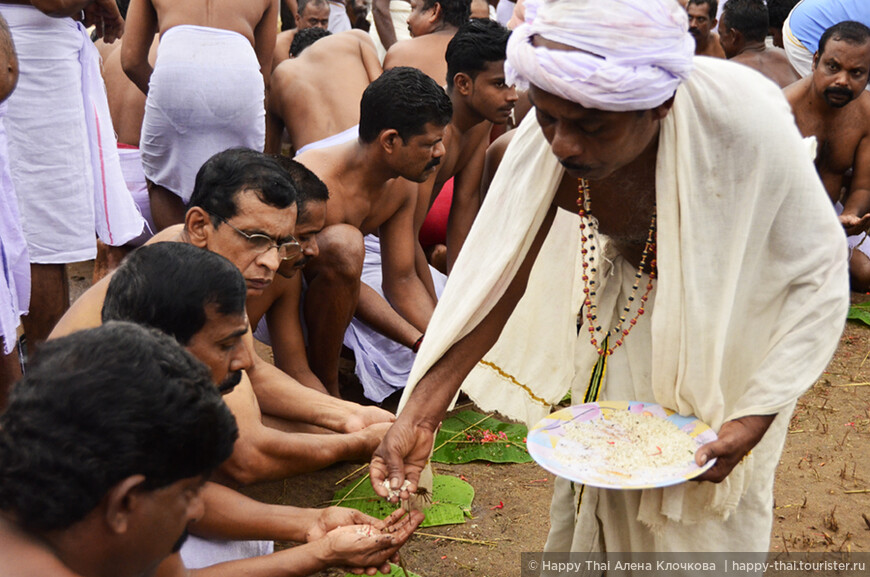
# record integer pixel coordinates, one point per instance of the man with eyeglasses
(252, 194)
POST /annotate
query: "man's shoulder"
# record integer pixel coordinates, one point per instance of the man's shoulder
(23, 556)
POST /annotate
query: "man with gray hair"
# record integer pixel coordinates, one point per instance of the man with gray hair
(686, 281)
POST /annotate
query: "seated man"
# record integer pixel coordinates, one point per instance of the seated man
(742, 33)
(833, 106)
(198, 297)
(242, 199)
(315, 94)
(432, 24)
(702, 23)
(311, 14)
(104, 449)
(402, 118)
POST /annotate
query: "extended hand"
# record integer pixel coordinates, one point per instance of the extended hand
(362, 417)
(401, 455)
(855, 224)
(736, 439)
(334, 517)
(365, 546)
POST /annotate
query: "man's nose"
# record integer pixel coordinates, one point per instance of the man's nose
(270, 259)
(241, 359)
(512, 95)
(439, 150)
(565, 143)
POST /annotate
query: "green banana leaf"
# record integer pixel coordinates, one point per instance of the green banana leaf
(395, 571)
(451, 501)
(469, 436)
(860, 312)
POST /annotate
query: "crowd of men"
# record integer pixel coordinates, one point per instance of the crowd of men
(330, 191)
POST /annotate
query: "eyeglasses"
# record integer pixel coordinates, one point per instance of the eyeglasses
(263, 244)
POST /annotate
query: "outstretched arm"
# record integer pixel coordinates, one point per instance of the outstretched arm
(856, 211)
(403, 287)
(137, 43)
(404, 451)
(384, 22)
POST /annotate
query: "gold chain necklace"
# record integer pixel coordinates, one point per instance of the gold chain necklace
(620, 331)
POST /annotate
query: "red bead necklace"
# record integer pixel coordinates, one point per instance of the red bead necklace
(589, 271)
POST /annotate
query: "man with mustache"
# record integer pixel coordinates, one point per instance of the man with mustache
(104, 451)
(244, 208)
(403, 115)
(833, 106)
(481, 98)
(198, 297)
(702, 23)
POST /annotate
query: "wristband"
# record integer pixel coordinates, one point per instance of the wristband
(416, 346)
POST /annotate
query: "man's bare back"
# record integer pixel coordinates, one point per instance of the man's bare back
(772, 62)
(242, 16)
(842, 135)
(317, 94)
(424, 53)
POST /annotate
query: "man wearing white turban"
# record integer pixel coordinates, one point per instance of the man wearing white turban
(682, 264)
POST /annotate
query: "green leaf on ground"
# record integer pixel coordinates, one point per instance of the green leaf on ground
(395, 571)
(469, 436)
(860, 312)
(451, 501)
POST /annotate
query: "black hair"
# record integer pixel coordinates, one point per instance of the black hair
(778, 11)
(309, 187)
(476, 43)
(455, 12)
(226, 174)
(99, 406)
(712, 6)
(305, 38)
(302, 4)
(168, 286)
(404, 99)
(847, 31)
(749, 17)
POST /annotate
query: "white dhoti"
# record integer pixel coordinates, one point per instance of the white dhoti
(206, 95)
(399, 12)
(62, 146)
(134, 177)
(351, 133)
(739, 326)
(338, 19)
(382, 364)
(14, 261)
(198, 553)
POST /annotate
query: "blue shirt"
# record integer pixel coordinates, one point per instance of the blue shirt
(811, 18)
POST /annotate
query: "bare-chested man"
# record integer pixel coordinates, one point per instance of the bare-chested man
(432, 24)
(316, 94)
(206, 91)
(742, 31)
(243, 203)
(702, 23)
(312, 14)
(481, 98)
(402, 118)
(832, 105)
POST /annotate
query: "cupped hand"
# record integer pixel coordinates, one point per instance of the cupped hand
(368, 547)
(855, 224)
(334, 517)
(366, 416)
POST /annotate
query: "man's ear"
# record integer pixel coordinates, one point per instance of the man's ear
(197, 224)
(122, 501)
(437, 13)
(389, 140)
(663, 109)
(463, 83)
(815, 59)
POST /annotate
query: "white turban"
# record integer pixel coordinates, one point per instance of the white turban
(631, 54)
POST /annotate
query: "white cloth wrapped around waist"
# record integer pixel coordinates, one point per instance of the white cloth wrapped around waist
(382, 364)
(351, 133)
(62, 146)
(134, 177)
(14, 261)
(206, 95)
(198, 553)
